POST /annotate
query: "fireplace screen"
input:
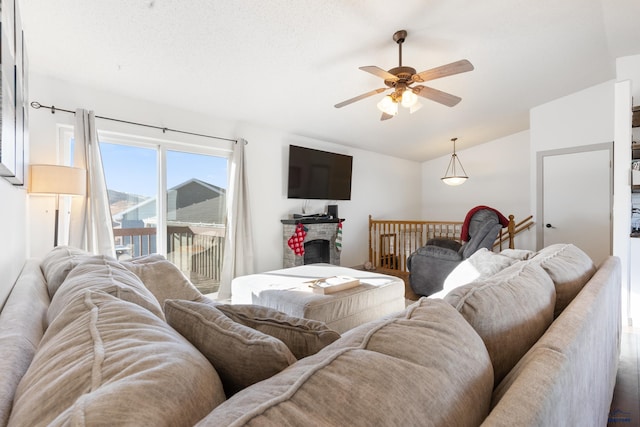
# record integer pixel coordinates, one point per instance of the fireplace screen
(316, 251)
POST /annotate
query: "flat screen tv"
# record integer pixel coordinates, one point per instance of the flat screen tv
(315, 174)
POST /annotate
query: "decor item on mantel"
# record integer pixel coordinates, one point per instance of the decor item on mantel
(58, 180)
(400, 80)
(451, 176)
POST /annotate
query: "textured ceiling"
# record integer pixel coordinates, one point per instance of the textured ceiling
(285, 63)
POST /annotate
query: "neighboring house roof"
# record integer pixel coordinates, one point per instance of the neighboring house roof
(193, 201)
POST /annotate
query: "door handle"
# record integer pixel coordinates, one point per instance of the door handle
(549, 226)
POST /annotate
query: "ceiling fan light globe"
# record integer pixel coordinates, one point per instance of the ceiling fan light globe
(409, 98)
(388, 106)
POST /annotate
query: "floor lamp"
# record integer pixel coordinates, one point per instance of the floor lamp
(58, 180)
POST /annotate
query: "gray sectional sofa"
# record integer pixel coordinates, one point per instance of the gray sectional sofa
(532, 340)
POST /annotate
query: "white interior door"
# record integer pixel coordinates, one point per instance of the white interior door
(577, 201)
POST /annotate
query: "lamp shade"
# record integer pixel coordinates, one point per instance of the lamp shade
(54, 179)
(454, 180)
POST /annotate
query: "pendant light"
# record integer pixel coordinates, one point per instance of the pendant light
(453, 176)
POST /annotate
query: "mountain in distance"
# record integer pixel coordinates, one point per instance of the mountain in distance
(120, 201)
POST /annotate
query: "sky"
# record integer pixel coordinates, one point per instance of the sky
(133, 169)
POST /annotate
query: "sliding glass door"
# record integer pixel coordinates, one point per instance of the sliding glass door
(168, 200)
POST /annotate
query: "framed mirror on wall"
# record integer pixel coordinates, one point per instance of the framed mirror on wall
(13, 94)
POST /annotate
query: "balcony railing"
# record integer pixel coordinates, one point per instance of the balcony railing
(196, 250)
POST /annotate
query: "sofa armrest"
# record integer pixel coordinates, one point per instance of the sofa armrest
(21, 329)
(579, 376)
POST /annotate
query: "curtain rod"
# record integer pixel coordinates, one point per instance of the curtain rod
(53, 109)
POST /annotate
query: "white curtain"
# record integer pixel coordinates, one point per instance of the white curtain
(238, 243)
(91, 228)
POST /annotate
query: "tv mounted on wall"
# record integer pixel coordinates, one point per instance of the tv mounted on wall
(315, 174)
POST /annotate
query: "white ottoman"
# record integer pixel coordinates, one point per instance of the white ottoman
(285, 290)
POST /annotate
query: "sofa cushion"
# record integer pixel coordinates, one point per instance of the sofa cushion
(425, 367)
(304, 337)
(57, 264)
(105, 274)
(114, 363)
(163, 279)
(509, 311)
(242, 356)
(483, 263)
(569, 267)
(518, 254)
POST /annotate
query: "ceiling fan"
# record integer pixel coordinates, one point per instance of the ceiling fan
(401, 79)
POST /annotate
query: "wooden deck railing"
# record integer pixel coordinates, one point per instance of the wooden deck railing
(392, 241)
(197, 251)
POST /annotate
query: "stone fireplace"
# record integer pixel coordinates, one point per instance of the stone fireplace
(319, 243)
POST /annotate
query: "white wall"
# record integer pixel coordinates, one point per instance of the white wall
(628, 68)
(591, 117)
(498, 177)
(582, 118)
(383, 186)
(628, 76)
(13, 231)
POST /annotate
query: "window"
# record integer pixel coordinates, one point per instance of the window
(187, 222)
(195, 215)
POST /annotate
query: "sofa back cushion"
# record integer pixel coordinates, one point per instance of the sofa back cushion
(241, 355)
(107, 275)
(114, 363)
(426, 367)
(163, 279)
(57, 264)
(569, 267)
(483, 263)
(509, 311)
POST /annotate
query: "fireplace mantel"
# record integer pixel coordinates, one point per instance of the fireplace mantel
(319, 220)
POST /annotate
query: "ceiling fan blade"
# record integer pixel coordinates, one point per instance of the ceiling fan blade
(457, 67)
(359, 97)
(386, 116)
(377, 71)
(437, 95)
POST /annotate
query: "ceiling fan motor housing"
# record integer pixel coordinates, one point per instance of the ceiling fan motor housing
(403, 74)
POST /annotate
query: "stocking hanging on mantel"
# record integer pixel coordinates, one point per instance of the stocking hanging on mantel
(339, 237)
(296, 241)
